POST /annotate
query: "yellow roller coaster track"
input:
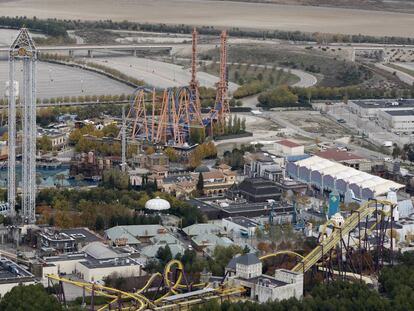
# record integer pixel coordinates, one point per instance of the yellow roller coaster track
(366, 210)
(325, 246)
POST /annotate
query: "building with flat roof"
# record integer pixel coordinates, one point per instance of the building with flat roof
(256, 190)
(219, 209)
(397, 121)
(369, 108)
(65, 240)
(261, 164)
(288, 147)
(12, 274)
(95, 262)
(240, 225)
(346, 158)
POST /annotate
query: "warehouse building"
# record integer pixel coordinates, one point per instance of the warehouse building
(397, 121)
(327, 175)
(370, 108)
(94, 263)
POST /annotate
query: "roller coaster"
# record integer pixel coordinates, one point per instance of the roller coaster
(175, 295)
(167, 116)
(175, 292)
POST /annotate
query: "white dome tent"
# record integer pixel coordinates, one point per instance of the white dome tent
(157, 204)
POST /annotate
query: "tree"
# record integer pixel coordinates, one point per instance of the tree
(44, 143)
(200, 183)
(171, 153)
(150, 150)
(99, 223)
(29, 298)
(164, 255)
(396, 151)
(281, 96)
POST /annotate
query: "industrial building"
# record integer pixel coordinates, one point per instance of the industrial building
(12, 274)
(397, 121)
(369, 108)
(95, 262)
(327, 175)
(65, 241)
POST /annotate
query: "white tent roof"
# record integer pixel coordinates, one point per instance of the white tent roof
(350, 175)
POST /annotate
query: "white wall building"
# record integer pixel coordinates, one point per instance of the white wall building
(287, 148)
(240, 225)
(397, 121)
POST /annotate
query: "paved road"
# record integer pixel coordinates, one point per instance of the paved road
(404, 77)
(157, 73)
(58, 80)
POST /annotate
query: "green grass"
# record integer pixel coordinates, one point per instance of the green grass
(242, 74)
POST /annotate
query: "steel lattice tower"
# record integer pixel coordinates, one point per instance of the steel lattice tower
(123, 141)
(23, 48)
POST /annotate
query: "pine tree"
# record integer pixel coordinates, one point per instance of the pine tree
(200, 183)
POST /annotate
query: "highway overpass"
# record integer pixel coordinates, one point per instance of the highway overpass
(71, 49)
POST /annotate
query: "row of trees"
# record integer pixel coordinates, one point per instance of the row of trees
(285, 96)
(281, 96)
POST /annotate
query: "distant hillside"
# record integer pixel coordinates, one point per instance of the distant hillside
(403, 6)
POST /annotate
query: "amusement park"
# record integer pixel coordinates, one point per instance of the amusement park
(174, 172)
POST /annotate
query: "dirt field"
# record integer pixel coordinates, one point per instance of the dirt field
(220, 14)
(406, 6)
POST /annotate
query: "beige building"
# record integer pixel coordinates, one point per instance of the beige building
(287, 147)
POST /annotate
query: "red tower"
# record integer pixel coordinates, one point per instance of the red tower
(222, 106)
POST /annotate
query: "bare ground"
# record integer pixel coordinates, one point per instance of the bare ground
(220, 14)
(404, 6)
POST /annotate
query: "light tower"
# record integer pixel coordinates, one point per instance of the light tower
(23, 48)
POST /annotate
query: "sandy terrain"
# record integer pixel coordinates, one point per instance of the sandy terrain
(223, 13)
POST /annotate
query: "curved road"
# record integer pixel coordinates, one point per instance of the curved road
(157, 73)
(306, 80)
